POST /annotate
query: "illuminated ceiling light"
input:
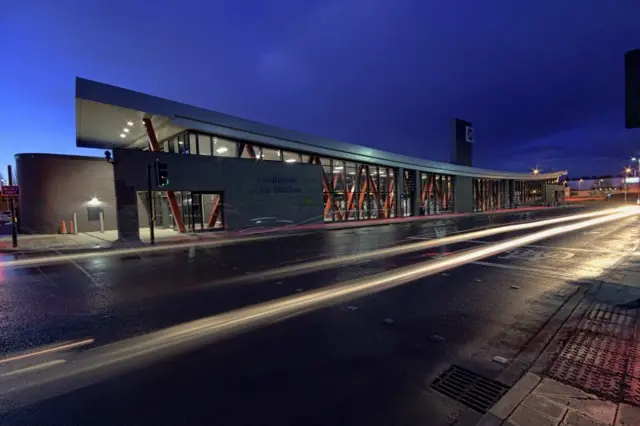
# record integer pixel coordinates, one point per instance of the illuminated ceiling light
(130, 123)
(126, 130)
(222, 150)
(180, 143)
(122, 135)
(290, 160)
(94, 202)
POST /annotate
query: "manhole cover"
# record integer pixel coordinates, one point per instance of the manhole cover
(469, 388)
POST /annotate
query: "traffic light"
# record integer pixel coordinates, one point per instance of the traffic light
(163, 174)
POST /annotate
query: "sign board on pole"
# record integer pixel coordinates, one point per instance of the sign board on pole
(10, 190)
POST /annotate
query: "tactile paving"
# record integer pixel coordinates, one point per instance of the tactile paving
(602, 355)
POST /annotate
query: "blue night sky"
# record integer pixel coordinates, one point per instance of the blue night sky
(542, 81)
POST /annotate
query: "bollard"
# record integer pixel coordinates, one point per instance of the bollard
(63, 227)
(71, 230)
(101, 222)
(75, 223)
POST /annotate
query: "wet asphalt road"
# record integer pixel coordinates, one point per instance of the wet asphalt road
(333, 366)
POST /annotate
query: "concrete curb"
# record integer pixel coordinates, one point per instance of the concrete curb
(508, 403)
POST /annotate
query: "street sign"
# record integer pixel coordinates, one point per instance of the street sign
(10, 190)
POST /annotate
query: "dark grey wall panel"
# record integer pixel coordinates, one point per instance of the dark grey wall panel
(54, 187)
(463, 194)
(283, 192)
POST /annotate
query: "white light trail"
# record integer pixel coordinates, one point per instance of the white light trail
(126, 355)
(334, 262)
(310, 266)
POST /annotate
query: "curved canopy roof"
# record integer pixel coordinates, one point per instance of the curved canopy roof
(111, 117)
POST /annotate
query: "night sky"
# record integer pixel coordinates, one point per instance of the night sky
(542, 81)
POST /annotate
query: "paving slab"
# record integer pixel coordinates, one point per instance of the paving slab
(628, 415)
(524, 416)
(575, 418)
(545, 406)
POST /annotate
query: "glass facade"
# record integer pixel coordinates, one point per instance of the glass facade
(490, 195)
(436, 194)
(351, 190)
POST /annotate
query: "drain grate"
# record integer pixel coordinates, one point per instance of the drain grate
(469, 388)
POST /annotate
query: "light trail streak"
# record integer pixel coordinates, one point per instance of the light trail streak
(317, 265)
(49, 350)
(310, 266)
(103, 362)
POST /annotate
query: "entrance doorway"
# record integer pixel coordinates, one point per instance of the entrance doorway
(201, 211)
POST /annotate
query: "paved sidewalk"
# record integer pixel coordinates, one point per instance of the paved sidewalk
(97, 240)
(595, 378)
(537, 401)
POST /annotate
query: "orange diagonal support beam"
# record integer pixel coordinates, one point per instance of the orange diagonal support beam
(388, 200)
(215, 212)
(328, 189)
(155, 147)
(352, 192)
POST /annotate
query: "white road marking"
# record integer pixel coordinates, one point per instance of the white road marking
(537, 270)
(34, 367)
(535, 256)
(562, 248)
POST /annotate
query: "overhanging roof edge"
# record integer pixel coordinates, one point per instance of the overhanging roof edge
(188, 116)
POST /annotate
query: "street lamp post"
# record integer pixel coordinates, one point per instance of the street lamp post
(635, 173)
(626, 177)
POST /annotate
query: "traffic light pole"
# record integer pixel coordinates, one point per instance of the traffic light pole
(152, 236)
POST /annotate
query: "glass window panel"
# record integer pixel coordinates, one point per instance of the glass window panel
(306, 159)
(204, 145)
(325, 161)
(223, 147)
(270, 154)
(193, 144)
(183, 144)
(290, 157)
(383, 174)
(339, 175)
(165, 146)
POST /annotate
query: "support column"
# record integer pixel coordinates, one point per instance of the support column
(511, 190)
(399, 191)
(463, 194)
(126, 207)
(415, 195)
